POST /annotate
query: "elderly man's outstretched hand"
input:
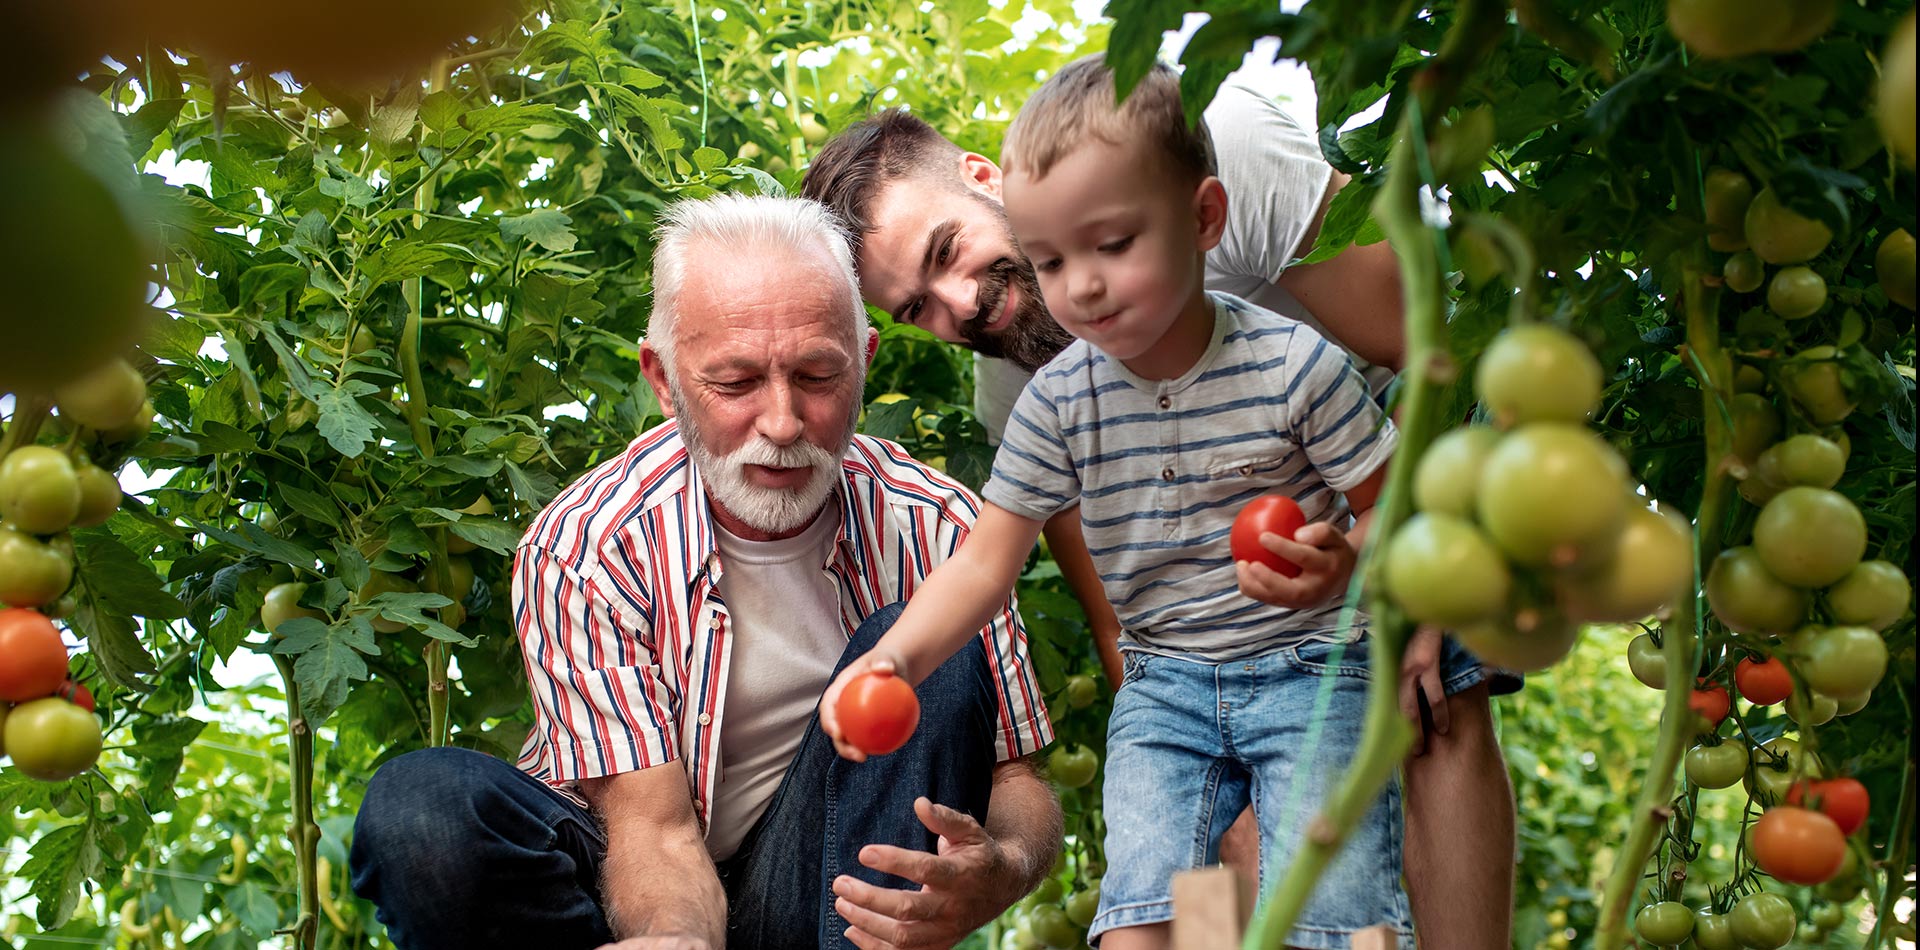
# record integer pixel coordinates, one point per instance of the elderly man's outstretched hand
(961, 888)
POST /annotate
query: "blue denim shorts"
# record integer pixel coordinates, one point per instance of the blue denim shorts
(1193, 743)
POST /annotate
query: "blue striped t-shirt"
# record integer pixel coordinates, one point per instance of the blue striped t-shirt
(1161, 467)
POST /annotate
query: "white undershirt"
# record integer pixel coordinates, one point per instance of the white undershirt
(784, 616)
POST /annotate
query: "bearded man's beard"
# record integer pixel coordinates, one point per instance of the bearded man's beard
(1032, 338)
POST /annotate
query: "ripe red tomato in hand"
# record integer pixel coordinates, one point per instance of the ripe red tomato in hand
(878, 712)
(33, 661)
(1798, 846)
(1763, 682)
(1842, 799)
(1276, 513)
(1710, 702)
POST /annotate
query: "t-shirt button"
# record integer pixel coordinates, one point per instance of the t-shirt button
(1166, 474)
(706, 720)
(1166, 402)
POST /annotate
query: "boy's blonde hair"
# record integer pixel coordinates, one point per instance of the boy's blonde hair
(1079, 102)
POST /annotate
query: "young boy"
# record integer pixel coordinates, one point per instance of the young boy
(1175, 408)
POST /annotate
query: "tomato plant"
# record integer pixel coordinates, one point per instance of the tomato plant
(878, 712)
(1268, 513)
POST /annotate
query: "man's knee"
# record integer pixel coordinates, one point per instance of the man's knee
(424, 813)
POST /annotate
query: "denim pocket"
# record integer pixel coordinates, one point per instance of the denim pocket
(1321, 658)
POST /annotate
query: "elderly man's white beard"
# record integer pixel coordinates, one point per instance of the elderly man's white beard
(773, 510)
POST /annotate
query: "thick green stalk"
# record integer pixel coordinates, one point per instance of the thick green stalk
(305, 833)
(1715, 372)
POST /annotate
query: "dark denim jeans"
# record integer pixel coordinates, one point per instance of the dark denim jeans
(459, 849)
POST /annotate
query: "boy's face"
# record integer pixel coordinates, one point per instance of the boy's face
(1118, 245)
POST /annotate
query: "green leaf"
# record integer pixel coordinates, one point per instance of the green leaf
(254, 908)
(411, 609)
(548, 227)
(247, 536)
(312, 505)
(164, 738)
(496, 536)
(60, 862)
(343, 423)
(314, 233)
(124, 580)
(1349, 221)
(403, 259)
(328, 661)
(267, 285)
(1135, 41)
(707, 158)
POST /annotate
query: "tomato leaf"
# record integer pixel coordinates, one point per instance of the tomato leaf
(328, 660)
(253, 907)
(60, 862)
(548, 227)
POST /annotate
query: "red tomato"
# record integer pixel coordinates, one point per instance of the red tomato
(75, 693)
(33, 661)
(878, 712)
(1763, 682)
(1276, 513)
(1842, 799)
(1711, 702)
(1798, 846)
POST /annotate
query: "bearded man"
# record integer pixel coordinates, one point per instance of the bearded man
(681, 607)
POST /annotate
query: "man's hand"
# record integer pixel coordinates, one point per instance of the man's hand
(658, 943)
(874, 660)
(1420, 674)
(1326, 562)
(961, 888)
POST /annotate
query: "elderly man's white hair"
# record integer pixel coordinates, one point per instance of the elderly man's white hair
(745, 227)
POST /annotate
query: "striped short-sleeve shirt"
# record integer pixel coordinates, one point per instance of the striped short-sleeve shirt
(627, 639)
(1161, 467)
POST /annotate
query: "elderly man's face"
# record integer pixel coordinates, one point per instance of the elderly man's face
(766, 385)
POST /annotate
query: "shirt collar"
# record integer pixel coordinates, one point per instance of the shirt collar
(697, 512)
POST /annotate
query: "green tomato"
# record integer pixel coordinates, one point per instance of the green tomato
(103, 398)
(1646, 662)
(1716, 766)
(1441, 570)
(1748, 378)
(1728, 194)
(1082, 691)
(1814, 381)
(1448, 476)
(1874, 595)
(459, 579)
(381, 582)
(32, 574)
(1651, 563)
(1552, 494)
(1083, 906)
(1847, 705)
(1756, 424)
(1050, 925)
(99, 495)
(1817, 711)
(1538, 373)
(1844, 661)
(1810, 537)
(51, 739)
(283, 604)
(1049, 892)
(1828, 916)
(1533, 639)
(1744, 274)
(1894, 105)
(1768, 782)
(1072, 767)
(1666, 924)
(39, 490)
(1780, 235)
(1796, 293)
(1893, 265)
(1810, 460)
(1763, 921)
(1714, 932)
(1746, 596)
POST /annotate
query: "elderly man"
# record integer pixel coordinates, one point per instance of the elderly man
(681, 608)
(935, 250)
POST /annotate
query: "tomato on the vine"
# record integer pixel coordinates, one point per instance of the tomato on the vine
(1815, 382)
(283, 604)
(1665, 924)
(1797, 845)
(104, 398)
(1893, 266)
(1276, 513)
(1874, 594)
(1651, 563)
(1842, 799)
(1775, 767)
(1448, 475)
(1537, 373)
(1081, 691)
(51, 739)
(39, 491)
(1552, 493)
(32, 574)
(1532, 639)
(1083, 905)
(1072, 766)
(1716, 766)
(1780, 235)
(1796, 293)
(1442, 570)
(1748, 598)
(1817, 709)
(1711, 703)
(33, 659)
(1713, 931)
(878, 712)
(1763, 682)
(1844, 661)
(1810, 537)
(1763, 921)
(1805, 459)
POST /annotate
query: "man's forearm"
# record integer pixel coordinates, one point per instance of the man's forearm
(657, 879)
(1023, 816)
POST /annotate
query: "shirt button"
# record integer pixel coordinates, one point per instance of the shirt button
(1166, 402)
(1246, 470)
(1166, 474)
(706, 720)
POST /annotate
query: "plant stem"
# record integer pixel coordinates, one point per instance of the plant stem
(1715, 371)
(305, 834)
(1895, 883)
(29, 413)
(1386, 736)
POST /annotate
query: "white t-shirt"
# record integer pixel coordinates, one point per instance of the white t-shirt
(1275, 178)
(787, 637)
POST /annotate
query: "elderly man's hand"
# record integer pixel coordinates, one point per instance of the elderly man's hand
(962, 887)
(659, 943)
